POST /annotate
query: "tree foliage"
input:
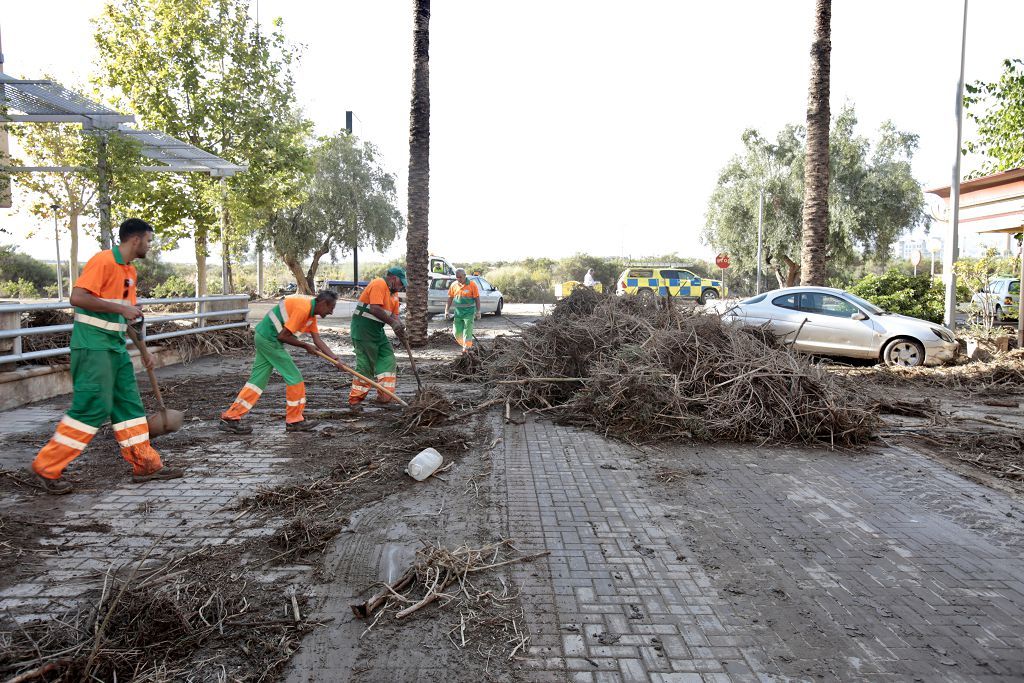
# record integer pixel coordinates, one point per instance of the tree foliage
(998, 109)
(15, 267)
(204, 72)
(74, 192)
(919, 297)
(349, 201)
(873, 197)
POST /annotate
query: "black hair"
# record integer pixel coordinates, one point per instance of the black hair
(327, 295)
(132, 227)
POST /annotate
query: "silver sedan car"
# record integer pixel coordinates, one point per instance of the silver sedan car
(833, 322)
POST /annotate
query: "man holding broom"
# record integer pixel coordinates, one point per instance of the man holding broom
(378, 306)
(464, 304)
(101, 369)
(293, 316)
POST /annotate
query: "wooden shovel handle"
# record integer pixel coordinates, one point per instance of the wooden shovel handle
(382, 389)
(141, 346)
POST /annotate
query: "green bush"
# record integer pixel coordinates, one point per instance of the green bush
(174, 286)
(20, 289)
(895, 292)
(521, 285)
(15, 267)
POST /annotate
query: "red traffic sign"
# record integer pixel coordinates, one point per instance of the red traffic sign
(722, 261)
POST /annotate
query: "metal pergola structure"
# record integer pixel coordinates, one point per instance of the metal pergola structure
(44, 101)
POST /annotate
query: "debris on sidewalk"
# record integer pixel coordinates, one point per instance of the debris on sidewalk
(642, 373)
(435, 569)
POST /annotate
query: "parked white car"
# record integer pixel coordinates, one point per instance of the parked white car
(833, 322)
(491, 298)
(1000, 299)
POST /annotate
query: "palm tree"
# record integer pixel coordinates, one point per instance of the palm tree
(815, 213)
(416, 254)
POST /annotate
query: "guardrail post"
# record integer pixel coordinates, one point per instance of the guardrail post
(225, 305)
(10, 321)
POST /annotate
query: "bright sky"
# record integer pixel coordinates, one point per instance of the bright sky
(586, 125)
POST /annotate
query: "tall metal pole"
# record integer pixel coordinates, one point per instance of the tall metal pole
(952, 239)
(103, 191)
(760, 238)
(56, 236)
(5, 180)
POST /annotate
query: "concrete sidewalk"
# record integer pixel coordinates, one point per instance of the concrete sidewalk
(760, 564)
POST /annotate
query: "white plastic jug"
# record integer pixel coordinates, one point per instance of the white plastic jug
(424, 464)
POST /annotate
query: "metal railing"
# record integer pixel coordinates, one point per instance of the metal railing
(15, 332)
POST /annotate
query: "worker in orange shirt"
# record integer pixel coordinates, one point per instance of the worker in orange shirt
(101, 369)
(294, 315)
(378, 306)
(464, 304)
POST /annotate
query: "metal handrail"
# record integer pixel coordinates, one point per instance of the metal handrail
(17, 333)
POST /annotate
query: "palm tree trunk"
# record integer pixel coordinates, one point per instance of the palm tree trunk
(816, 167)
(416, 254)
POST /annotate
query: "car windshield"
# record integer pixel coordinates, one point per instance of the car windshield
(866, 305)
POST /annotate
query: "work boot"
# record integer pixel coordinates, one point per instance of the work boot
(55, 487)
(303, 426)
(161, 474)
(234, 427)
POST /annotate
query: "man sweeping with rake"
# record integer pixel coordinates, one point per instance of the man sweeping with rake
(378, 306)
(293, 316)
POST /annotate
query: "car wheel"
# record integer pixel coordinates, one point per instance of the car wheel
(501, 304)
(707, 295)
(903, 352)
(646, 295)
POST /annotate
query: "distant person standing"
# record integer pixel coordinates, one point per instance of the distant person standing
(588, 279)
(464, 304)
(101, 369)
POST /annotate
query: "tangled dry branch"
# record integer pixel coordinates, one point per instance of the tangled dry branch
(642, 372)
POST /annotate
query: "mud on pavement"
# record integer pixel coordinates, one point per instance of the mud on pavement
(246, 568)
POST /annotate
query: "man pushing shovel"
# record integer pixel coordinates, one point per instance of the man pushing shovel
(293, 316)
(101, 369)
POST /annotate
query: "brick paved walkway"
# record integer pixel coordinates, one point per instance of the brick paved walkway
(760, 564)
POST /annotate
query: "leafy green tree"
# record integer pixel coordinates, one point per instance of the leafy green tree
(15, 267)
(350, 200)
(998, 109)
(873, 198)
(204, 72)
(919, 297)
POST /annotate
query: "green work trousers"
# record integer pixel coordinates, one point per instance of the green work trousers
(104, 387)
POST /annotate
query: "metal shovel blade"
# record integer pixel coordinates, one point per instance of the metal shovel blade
(165, 421)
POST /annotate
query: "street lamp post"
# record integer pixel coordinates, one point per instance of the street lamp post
(760, 238)
(56, 237)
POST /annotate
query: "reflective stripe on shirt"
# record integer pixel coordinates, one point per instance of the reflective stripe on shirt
(100, 323)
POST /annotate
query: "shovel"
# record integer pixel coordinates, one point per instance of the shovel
(382, 389)
(165, 421)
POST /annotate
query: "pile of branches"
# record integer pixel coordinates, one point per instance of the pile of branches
(429, 409)
(171, 623)
(645, 372)
(437, 569)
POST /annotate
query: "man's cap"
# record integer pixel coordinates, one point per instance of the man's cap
(399, 272)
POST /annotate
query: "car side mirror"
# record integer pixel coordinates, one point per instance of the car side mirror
(859, 316)
(492, 289)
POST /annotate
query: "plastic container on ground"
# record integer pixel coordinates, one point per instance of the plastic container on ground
(424, 464)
